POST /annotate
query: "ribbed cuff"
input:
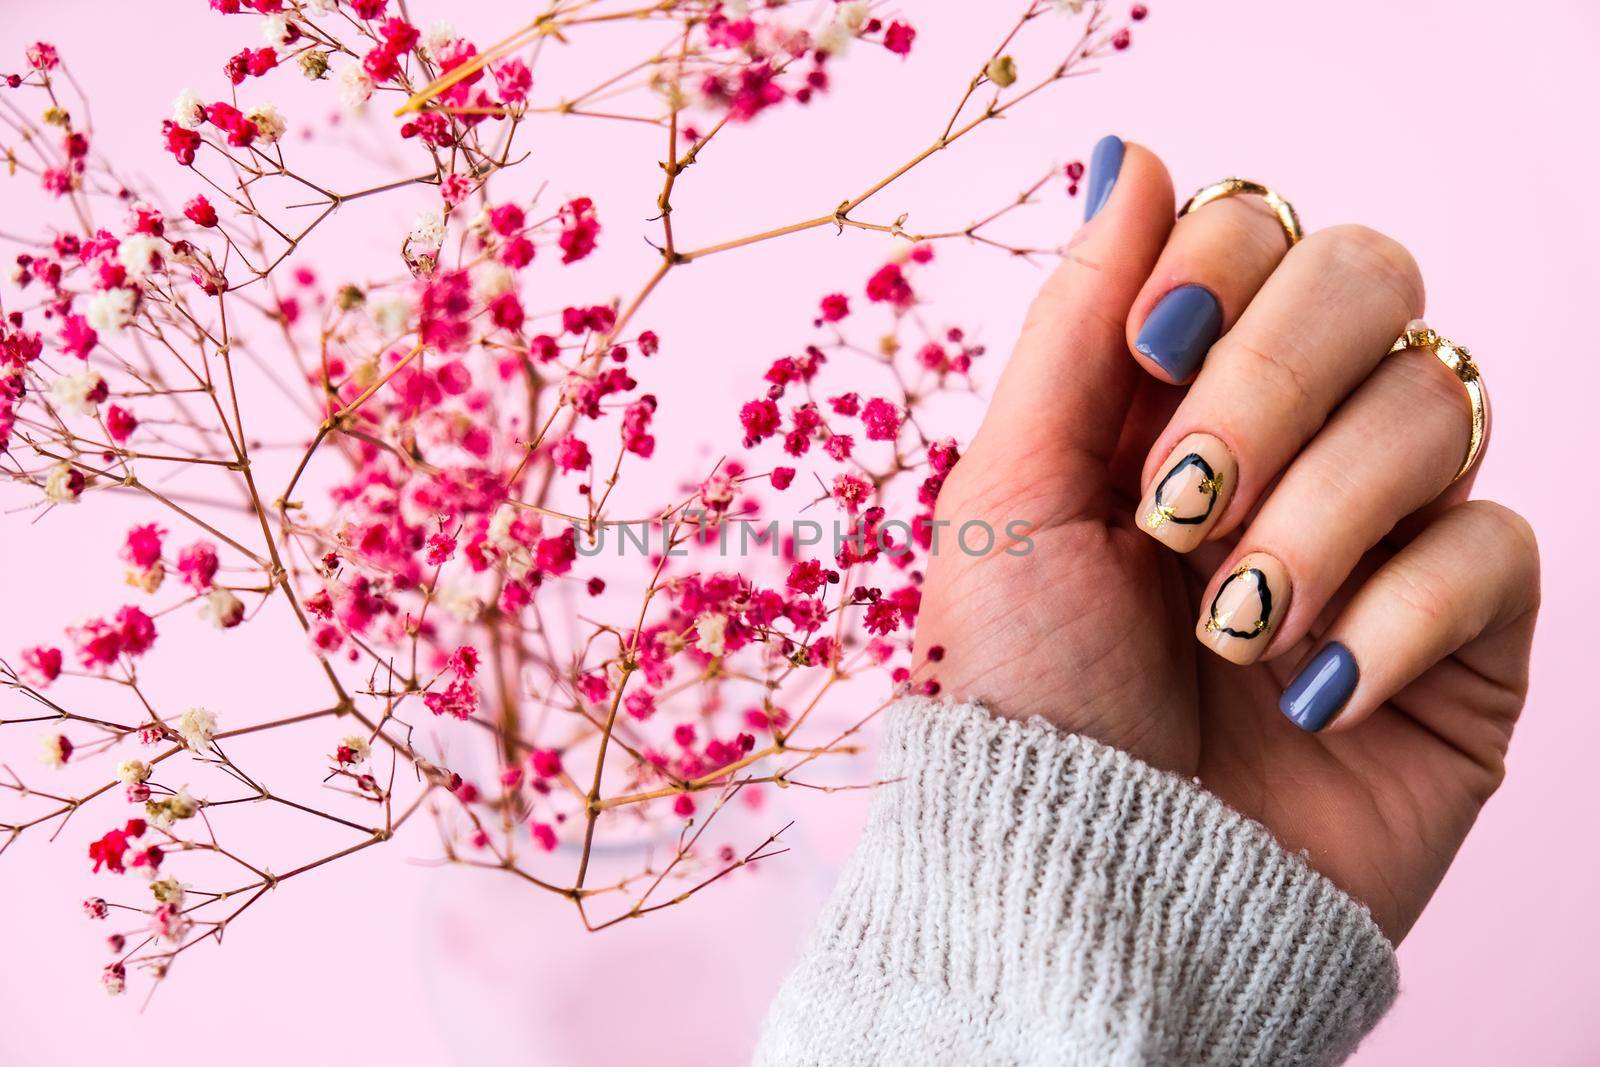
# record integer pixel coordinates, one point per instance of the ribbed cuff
(1027, 896)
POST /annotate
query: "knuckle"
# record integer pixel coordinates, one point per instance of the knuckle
(1280, 372)
(1376, 257)
(1425, 595)
(1511, 535)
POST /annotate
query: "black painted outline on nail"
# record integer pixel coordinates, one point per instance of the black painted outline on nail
(1193, 459)
(1263, 591)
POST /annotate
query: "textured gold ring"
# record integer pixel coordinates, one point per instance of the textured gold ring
(1459, 359)
(1240, 187)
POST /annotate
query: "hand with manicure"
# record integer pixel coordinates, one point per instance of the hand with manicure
(1253, 563)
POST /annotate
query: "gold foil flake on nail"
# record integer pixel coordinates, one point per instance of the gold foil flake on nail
(1212, 485)
(1159, 515)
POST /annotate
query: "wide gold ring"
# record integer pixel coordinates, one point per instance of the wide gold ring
(1459, 359)
(1240, 187)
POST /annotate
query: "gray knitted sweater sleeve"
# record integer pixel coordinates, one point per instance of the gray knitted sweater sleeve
(1027, 896)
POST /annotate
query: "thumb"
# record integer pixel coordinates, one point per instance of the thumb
(1061, 403)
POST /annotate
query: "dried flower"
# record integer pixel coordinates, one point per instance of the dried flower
(133, 771)
(353, 750)
(428, 231)
(1002, 70)
(222, 609)
(167, 891)
(64, 484)
(486, 423)
(167, 810)
(188, 110)
(110, 311)
(80, 392)
(268, 122)
(197, 727)
(355, 88)
(54, 750)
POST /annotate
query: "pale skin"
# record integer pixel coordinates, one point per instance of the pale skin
(1345, 466)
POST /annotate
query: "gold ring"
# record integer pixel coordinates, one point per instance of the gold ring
(1240, 187)
(1459, 359)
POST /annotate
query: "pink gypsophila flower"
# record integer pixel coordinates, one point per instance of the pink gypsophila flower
(197, 565)
(41, 665)
(143, 546)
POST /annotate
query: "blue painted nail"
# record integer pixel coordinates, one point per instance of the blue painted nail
(1321, 689)
(1180, 330)
(1104, 166)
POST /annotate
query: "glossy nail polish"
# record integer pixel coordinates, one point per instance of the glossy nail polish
(1321, 689)
(1191, 490)
(1238, 620)
(1180, 330)
(1104, 165)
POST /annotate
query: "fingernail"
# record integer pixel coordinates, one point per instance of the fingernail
(1190, 492)
(1238, 621)
(1321, 688)
(1104, 165)
(1180, 330)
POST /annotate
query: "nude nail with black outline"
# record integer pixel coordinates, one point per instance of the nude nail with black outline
(1242, 610)
(1190, 492)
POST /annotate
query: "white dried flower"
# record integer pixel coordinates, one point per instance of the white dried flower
(76, 392)
(275, 30)
(461, 602)
(357, 747)
(319, 7)
(222, 609)
(355, 88)
(500, 523)
(197, 727)
(391, 313)
(188, 110)
(834, 39)
(63, 484)
(429, 229)
(110, 311)
(854, 14)
(133, 771)
(711, 630)
(269, 122)
(490, 279)
(139, 253)
(439, 34)
(54, 750)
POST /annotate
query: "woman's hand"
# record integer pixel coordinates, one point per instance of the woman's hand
(1282, 519)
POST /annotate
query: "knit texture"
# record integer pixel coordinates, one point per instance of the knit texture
(1023, 895)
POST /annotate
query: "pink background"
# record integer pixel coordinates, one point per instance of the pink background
(1460, 127)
